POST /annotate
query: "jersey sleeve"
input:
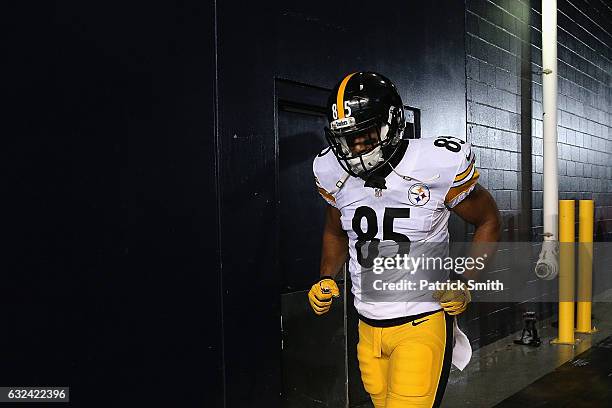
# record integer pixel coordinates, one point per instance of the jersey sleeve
(322, 168)
(465, 179)
(326, 195)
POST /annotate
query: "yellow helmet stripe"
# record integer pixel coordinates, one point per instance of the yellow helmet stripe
(340, 96)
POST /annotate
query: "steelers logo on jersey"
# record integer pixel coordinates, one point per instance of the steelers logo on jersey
(418, 194)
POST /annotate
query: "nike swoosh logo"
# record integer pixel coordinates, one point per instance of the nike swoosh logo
(417, 323)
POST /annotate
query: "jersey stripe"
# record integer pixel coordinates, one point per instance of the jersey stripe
(463, 186)
(327, 196)
(340, 95)
(466, 172)
(467, 177)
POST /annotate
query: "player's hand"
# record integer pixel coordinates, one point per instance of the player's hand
(321, 294)
(453, 302)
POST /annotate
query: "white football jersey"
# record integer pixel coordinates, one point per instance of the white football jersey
(434, 175)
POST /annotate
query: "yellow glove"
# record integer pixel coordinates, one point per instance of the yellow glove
(453, 302)
(321, 293)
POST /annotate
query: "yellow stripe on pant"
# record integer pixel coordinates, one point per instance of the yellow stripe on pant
(407, 365)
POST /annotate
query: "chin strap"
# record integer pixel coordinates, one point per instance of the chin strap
(341, 181)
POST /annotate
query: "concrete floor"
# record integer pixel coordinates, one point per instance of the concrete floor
(501, 369)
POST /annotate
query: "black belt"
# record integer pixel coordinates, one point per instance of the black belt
(396, 321)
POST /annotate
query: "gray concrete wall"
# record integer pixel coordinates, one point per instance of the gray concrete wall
(504, 121)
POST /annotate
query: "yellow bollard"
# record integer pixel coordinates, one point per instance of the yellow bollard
(586, 219)
(566, 272)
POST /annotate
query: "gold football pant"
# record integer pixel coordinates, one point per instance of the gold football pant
(406, 365)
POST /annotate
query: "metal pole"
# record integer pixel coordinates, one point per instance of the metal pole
(547, 266)
(549, 89)
(586, 218)
(567, 233)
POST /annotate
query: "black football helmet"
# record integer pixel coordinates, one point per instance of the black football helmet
(366, 122)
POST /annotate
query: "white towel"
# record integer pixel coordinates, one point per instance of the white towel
(462, 350)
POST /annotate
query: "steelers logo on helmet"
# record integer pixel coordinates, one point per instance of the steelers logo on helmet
(418, 194)
(366, 122)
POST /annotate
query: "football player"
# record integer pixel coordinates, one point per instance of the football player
(382, 187)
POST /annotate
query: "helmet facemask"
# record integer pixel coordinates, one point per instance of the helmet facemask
(363, 148)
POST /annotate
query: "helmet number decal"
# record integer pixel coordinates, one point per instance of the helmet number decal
(347, 110)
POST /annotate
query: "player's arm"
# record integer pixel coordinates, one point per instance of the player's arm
(333, 256)
(474, 204)
(335, 244)
(480, 210)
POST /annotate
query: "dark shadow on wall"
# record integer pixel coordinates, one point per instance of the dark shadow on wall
(525, 220)
(601, 231)
(511, 236)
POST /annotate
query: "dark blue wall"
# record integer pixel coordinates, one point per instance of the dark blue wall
(111, 274)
